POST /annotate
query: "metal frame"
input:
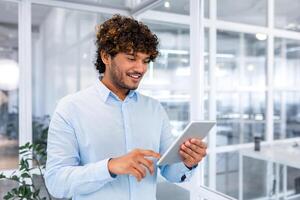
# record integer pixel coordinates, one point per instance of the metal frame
(82, 6)
(197, 70)
(212, 98)
(25, 85)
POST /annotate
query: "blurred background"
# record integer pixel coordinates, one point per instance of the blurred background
(236, 62)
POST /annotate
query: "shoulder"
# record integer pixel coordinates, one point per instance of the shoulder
(68, 102)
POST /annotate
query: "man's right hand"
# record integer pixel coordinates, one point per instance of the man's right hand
(133, 163)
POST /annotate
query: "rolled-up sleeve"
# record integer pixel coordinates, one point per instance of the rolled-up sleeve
(64, 175)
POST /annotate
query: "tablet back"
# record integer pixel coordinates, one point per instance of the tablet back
(195, 129)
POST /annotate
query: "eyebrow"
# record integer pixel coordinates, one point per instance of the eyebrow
(135, 55)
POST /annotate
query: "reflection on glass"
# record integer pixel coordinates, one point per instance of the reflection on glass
(247, 11)
(293, 180)
(253, 129)
(228, 133)
(228, 106)
(287, 63)
(228, 114)
(9, 83)
(286, 115)
(227, 174)
(63, 59)
(254, 106)
(240, 117)
(241, 60)
(287, 16)
(253, 177)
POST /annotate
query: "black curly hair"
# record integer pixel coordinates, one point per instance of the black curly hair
(124, 34)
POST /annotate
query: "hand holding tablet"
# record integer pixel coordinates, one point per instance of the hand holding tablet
(195, 129)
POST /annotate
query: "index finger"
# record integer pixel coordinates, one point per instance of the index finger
(198, 142)
(150, 153)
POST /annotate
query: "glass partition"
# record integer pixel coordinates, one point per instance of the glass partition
(248, 11)
(287, 14)
(9, 84)
(167, 79)
(63, 60)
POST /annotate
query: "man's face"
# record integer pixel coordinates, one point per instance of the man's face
(126, 70)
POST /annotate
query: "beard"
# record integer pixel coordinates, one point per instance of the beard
(119, 79)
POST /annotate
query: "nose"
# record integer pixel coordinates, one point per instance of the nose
(141, 66)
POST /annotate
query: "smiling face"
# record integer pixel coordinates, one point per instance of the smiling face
(124, 71)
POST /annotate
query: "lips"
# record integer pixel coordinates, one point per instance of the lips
(135, 76)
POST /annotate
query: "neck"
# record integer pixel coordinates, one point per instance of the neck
(120, 92)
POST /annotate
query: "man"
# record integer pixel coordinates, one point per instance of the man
(104, 141)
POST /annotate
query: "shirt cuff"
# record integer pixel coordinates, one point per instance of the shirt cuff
(111, 174)
(101, 171)
(186, 172)
(190, 168)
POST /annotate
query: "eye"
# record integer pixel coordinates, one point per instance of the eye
(131, 58)
(147, 61)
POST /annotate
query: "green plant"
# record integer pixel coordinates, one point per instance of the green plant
(26, 188)
(32, 162)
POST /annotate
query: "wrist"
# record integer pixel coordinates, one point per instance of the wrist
(190, 168)
(113, 175)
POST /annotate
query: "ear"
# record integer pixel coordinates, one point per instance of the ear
(106, 58)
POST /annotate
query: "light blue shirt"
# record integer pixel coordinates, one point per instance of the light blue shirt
(93, 125)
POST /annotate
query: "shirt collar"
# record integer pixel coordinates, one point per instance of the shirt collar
(105, 93)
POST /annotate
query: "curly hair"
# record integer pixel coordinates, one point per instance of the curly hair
(124, 34)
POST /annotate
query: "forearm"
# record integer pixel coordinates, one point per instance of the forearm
(66, 181)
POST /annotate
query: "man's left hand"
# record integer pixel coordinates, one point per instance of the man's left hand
(192, 151)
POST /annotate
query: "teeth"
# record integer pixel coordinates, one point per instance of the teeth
(135, 76)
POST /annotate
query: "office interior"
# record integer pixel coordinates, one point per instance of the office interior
(236, 62)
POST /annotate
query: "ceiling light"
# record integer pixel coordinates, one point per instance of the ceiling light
(167, 4)
(261, 36)
(250, 67)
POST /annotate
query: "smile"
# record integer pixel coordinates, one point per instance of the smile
(135, 76)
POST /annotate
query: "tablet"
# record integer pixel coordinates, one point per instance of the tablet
(195, 129)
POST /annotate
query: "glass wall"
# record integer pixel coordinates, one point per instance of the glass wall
(9, 84)
(286, 82)
(167, 79)
(248, 11)
(242, 91)
(63, 61)
(287, 14)
(9, 92)
(240, 75)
